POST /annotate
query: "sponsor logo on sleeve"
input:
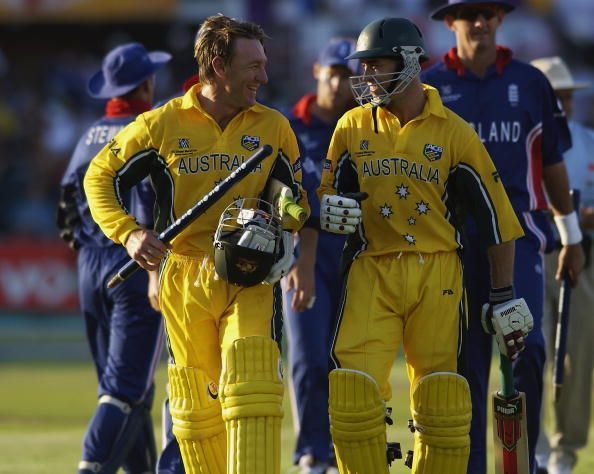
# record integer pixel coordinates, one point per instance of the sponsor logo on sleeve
(328, 165)
(297, 165)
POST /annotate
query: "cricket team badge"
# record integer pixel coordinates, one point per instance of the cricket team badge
(250, 142)
(432, 152)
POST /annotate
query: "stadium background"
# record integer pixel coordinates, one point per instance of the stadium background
(48, 49)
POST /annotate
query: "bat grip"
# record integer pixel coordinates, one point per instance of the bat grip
(290, 207)
(507, 376)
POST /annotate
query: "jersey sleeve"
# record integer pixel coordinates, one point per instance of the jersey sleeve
(556, 138)
(339, 174)
(287, 169)
(121, 164)
(479, 190)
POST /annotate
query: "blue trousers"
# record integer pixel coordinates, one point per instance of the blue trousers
(125, 336)
(309, 348)
(528, 368)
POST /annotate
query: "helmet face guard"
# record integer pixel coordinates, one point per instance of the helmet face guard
(372, 90)
(247, 241)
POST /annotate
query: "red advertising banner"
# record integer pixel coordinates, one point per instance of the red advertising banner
(37, 276)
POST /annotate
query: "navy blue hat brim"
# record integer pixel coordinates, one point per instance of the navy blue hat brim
(449, 9)
(99, 89)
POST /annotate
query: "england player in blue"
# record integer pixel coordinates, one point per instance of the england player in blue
(124, 332)
(513, 109)
(312, 288)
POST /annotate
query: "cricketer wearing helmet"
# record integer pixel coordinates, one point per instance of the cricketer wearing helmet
(217, 331)
(420, 166)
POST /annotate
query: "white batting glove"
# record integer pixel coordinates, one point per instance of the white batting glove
(510, 322)
(340, 214)
(284, 263)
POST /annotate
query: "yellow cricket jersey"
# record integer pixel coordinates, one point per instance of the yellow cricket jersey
(186, 154)
(418, 178)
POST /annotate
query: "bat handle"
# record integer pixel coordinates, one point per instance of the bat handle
(507, 376)
(123, 273)
(290, 207)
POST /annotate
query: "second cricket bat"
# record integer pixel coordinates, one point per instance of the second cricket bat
(510, 436)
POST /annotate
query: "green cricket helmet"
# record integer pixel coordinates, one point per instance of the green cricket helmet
(396, 38)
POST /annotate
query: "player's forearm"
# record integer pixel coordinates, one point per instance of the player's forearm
(308, 244)
(104, 206)
(501, 261)
(557, 186)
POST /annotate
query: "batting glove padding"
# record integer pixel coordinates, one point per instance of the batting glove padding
(339, 214)
(510, 322)
(284, 263)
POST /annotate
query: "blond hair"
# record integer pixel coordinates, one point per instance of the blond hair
(216, 37)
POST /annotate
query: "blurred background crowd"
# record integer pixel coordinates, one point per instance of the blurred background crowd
(49, 48)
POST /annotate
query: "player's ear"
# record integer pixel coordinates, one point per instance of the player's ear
(316, 71)
(449, 22)
(219, 66)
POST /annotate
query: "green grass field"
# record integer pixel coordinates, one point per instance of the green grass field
(44, 409)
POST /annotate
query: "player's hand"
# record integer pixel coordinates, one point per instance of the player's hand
(341, 214)
(571, 263)
(302, 279)
(145, 248)
(285, 261)
(510, 322)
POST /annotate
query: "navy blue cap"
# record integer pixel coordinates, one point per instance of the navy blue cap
(335, 53)
(450, 7)
(125, 68)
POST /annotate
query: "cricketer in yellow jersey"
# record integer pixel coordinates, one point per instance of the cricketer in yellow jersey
(217, 332)
(420, 165)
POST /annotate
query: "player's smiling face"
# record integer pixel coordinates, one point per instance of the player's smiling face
(245, 73)
(475, 25)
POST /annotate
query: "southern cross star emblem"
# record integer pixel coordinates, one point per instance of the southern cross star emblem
(218, 181)
(412, 220)
(422, 207)
(386, 210)
(237, 200)
(410, 239)
(402, 191)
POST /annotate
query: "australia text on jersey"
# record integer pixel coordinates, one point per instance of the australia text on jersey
(400, 166)
(212, 162)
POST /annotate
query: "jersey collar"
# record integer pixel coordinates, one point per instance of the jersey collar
(434, 105)
(190, 101)
(301, 109)
(453, 62)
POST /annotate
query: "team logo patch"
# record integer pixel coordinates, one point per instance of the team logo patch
(364, 145)
(183, 142)
(297, 165)
(432, 152)
(328, 165)
(513, 95)
(245, 265)
(250, 142)
(213, 390)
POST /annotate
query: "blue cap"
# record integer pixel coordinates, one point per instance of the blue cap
(335, 53)
(451, 6)
(125, 68)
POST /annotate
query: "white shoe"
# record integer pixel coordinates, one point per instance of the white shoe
(560, 463)
(308, 465)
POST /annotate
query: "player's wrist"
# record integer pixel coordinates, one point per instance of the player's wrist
(568, 226)
(501, 295)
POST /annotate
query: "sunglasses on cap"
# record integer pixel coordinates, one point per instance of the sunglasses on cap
(472, 13)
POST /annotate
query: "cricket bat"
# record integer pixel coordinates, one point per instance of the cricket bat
(280, 195)
(510, 436)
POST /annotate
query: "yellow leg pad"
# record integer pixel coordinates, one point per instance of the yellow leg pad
(197, 423)
(442, 411)
(251, 397)
(357, 423)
